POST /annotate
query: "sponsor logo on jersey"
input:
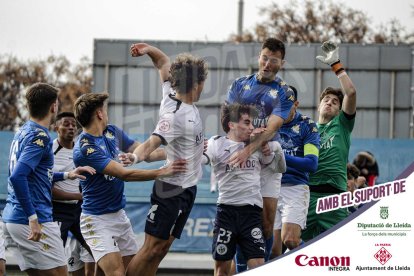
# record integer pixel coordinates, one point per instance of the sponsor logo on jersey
(39, 142)
(90, 151)
(246, 87)
(296, 129)
(256, 233)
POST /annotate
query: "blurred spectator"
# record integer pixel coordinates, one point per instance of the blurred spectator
(352, 173)
(367, 164)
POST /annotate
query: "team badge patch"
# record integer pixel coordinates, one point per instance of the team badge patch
(246, 87)
(164, 126)
(109, 135)
(39, 142)
(273, 93)
(42, 134)
(221, 249)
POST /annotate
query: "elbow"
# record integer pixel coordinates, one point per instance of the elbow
(313, 167)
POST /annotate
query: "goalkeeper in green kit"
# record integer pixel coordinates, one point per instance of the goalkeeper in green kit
(337, 109)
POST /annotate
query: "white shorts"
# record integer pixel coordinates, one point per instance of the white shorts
(292, 206)
(76, 255)
(270, 182)
(108, 233)
(45, 254)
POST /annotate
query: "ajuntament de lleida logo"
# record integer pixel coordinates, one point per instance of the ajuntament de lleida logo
(384, 212)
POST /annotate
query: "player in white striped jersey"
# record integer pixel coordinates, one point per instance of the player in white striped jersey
(180, 129)
(240, 203)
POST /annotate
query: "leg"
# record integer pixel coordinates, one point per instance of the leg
(2, 267)
(111, 264)
(269, 212)
(126, 260)
(252, 263)
(57, 271)
(89, 269)
(222, 268)
(277, 244)
(148, 258)
(291, 235)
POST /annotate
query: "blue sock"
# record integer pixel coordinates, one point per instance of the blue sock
(241, 264)
(269, 245)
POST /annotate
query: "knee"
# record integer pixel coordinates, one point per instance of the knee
(267, 230)
(157, 251)
(291, 242)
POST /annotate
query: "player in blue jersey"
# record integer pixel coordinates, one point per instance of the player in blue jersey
(299, 139)
(273, 100)
(28, 212)
(180, 129)
(104, 224)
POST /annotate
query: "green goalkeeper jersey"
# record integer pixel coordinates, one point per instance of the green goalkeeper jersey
(333, 154)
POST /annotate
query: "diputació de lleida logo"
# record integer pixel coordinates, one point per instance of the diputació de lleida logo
(384, 212)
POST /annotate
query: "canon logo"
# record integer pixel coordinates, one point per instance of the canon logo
(303, 260)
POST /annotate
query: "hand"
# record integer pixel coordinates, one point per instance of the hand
(139, 49)
(178, 166)
(256, 132)
(77, 173)
(128, 159)
(330, 50)
(266, 149)
(205, 145)
(35, 230)
(239, 158)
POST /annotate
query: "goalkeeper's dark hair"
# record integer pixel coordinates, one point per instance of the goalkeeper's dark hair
(333, 91)
(233, 113)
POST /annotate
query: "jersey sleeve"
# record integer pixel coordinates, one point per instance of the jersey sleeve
(168, 128)
(283, 103)
(34, 149)
(123, 139)
(92, 155)
(348, 124)
(210, 150)
(311, 134)
(166, 89)
(233, 93)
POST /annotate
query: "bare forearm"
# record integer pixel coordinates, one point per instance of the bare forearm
(62, 195)
(156, 155)
(159, 59)
(141, 175)
(349, 104)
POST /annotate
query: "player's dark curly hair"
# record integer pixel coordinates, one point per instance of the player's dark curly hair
(274, 45)
(233, 113)
(186, 71)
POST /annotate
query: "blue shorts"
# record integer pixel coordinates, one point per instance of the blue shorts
(170, 207)
(238, 225)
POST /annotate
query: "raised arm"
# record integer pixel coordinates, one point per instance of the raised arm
(273, 125)
(160, 60)
(331, 57)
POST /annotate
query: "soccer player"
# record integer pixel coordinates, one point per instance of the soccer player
(67, 198)
(337, 109)
(239, 205)
(299, 139)
(180, 129)
(28, 212)
(273, 100)
(104, 223)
